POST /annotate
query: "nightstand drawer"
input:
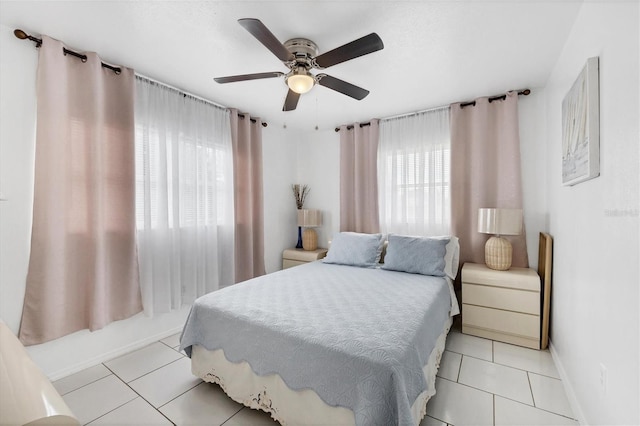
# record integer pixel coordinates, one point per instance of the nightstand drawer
(507, 322)
(288, 263)
(518, 278)
(501, 298)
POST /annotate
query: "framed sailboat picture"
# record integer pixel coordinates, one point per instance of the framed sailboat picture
(581, 127)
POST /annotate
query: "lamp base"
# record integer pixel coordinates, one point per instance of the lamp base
(299, 245)
(309, 239)
(498, 253)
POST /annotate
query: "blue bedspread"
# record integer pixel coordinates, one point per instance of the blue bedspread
(358, 337)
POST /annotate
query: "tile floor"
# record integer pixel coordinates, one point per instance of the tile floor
(480, 382)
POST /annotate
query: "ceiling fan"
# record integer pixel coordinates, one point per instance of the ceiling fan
(300, 55)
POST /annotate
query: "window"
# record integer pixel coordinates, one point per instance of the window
(413, 174)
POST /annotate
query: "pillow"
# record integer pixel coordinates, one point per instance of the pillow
(417, 255)
(451, 258)
(355, 249)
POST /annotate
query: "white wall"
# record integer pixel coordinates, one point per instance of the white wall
(279, 173)
(533, 156)
(318, 166)
(595, 223)
(17, 156)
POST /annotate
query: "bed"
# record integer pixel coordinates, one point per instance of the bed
(334, 342)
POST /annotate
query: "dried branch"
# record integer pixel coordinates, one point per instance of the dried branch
(300, 193)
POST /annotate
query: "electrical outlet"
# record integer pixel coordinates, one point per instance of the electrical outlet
(603, 378)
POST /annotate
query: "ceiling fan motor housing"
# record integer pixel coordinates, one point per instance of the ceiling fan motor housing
(303, 49)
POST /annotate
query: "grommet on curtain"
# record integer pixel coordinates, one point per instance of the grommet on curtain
(498, 98)
(66, 52)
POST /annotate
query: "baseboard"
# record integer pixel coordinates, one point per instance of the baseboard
(112, 354)
(568, 388)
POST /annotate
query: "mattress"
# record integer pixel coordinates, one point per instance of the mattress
(355, 338)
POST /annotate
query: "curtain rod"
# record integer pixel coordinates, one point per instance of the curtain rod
(38, 41)
(200, 98)
(524, 92)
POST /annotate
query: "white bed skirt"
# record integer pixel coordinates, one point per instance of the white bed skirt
(290, 407)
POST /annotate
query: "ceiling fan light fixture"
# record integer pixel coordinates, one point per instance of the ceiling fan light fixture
(300, 80)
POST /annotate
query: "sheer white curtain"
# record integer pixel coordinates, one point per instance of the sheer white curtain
(413, 174)
(184, 196)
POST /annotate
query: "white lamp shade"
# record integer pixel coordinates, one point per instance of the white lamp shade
(500, 221)
(309, 218)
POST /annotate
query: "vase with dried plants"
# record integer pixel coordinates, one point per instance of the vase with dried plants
(300, 193)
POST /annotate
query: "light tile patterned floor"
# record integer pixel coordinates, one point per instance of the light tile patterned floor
(480, 382)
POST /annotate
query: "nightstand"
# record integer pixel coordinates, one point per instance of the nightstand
(501, 305)
(294, 257)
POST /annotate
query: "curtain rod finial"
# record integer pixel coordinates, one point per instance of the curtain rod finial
(24, 36)
(20, 34)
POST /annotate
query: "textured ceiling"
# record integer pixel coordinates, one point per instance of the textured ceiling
(435, 53)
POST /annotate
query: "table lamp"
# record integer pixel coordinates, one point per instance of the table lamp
(498, 251)
(309, 219)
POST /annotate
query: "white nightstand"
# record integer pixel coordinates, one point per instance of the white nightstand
(501, 305)
(294, 257)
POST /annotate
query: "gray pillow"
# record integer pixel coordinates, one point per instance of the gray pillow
(355, 249)
(416, 255)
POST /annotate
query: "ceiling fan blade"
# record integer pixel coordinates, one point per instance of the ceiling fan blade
(362, 46)
(244, 77)
(342, 86)
(266, 37)
(291, 102)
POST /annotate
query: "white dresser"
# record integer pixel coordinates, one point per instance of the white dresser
(501, 305)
